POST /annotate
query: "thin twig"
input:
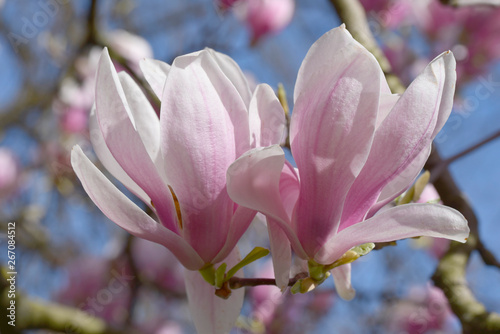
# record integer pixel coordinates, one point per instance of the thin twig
(446, 162)
(237, 282)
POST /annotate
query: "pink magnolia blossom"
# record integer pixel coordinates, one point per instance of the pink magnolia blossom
(132, 47)
(425, 309)
(158, 265)
(471, 32)
(266, 298)
(9, 172)
(75, 99)
(177, 165)
(225, 4)
(97, 288)
(265, 17)
(170, 328)
(357, 147)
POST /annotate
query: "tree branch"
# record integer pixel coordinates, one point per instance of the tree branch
(446, 162)
(237, 282)
(450, 275)
(38, 314)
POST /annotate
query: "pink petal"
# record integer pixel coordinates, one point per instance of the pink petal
(109, 162)
(233, 72)
(289, 188)
(144, 116)
(253, 181)
(281, 253)
(404, 134)
(386, 103)
(332, 128)
(155, 72)
(342, 278)
(120, 133)
(204, 126)
(242, 218)
(405, 221)
(266, 117)
(121, 210)
(280, 245)
(318, 61)
(400, 183)
(211, 314)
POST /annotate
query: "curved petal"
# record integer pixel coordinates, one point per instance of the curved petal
(144, 116)
(448, 90)
(253, 182)
(386, 103)
(332, 127)
(229, 68)
(342, 278)
(281, 253)
(400, 183)
(204, 124)
(120, 133)
(405, 221)
(289, 188)
(266, 117)
(233, 72)
(109, 162)
(326, 56)
(155, 72)
(211, 314)
(404, 134)
(242, 218)
(121, 210)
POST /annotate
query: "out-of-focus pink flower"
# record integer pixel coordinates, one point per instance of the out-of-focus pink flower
(426, 309)
(9, 172)
(97, 288)
(74, 120)
(429, 194)
(177, 164)
(266, 298)
(357, 147)
(158, 265)
(76, 98)
(169, 327)
(132, 47)
(322, 301)
(225, 4)
(265, 17)
(470, 32)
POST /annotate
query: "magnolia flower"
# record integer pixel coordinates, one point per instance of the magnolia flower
(357, 147)
(9, 172)
(424, 310)
(265, 16)
(158, 265)
(177, 165)
(91, 278)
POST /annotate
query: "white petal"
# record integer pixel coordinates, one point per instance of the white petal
(211, 314)
(155, 72)
(342, 278)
